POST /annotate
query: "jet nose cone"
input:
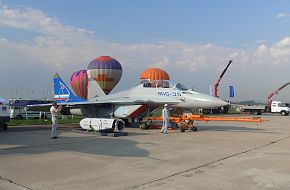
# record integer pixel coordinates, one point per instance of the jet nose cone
(216, 102)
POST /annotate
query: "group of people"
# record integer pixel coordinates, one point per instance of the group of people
(55, 109)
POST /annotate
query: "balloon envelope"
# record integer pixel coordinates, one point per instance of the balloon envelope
(107, 71)
(154, 74)
(79, 83)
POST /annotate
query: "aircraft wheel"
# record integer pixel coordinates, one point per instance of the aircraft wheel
(194, 128)
(182, 128)
(144, 126)
(255, 112)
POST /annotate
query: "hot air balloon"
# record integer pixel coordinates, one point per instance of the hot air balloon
(154, 74)
(79, 83)
(106, 71)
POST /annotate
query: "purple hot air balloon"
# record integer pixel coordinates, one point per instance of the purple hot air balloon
(107, 71)
(79, 83)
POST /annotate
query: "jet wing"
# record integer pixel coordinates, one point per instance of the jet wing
(156, 100)
(136, 100)
(39, 107)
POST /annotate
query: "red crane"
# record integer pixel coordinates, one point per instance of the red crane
(220, 78)
(275, 92)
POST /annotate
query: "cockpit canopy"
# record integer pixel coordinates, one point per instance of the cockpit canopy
(163, 84)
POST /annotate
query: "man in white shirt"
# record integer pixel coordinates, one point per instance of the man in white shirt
(54, 109)
(165, 116)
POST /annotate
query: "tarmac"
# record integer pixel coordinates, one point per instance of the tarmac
(219, 156)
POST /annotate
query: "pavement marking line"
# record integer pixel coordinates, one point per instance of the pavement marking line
(208, 164)
(10, 181)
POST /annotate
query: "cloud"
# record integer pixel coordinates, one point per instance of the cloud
(58, 47)
(161, 62)
(278, 54)
(283, 15)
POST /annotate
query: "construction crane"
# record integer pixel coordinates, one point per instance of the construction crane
(220, 78)
(276, 92)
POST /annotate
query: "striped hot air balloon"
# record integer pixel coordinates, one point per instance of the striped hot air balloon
(79, 83)
(107, 71)
(154, 74)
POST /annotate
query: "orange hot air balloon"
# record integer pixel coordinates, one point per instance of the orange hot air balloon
(154, 74)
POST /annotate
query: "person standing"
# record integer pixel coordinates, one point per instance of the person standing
(54, 109)
(165, 116)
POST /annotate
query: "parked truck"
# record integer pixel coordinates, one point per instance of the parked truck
(253, 109)
(4, 113)
(276, 107)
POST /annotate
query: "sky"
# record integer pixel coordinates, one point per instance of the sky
(192, 40)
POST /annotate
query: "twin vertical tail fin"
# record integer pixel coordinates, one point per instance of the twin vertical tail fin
(94, 90)
(62, 93)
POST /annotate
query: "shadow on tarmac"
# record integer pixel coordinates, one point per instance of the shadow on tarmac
(35, 140)
(35, 128)
(233, 129)
(24, 129)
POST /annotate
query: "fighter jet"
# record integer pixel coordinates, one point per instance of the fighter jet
(130, 103)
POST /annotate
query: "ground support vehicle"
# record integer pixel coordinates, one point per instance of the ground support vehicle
(187, 121)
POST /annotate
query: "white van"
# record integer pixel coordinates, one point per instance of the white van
(279, 107)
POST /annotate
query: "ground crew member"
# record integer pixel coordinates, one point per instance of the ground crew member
(54, 111)
(165, 116)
